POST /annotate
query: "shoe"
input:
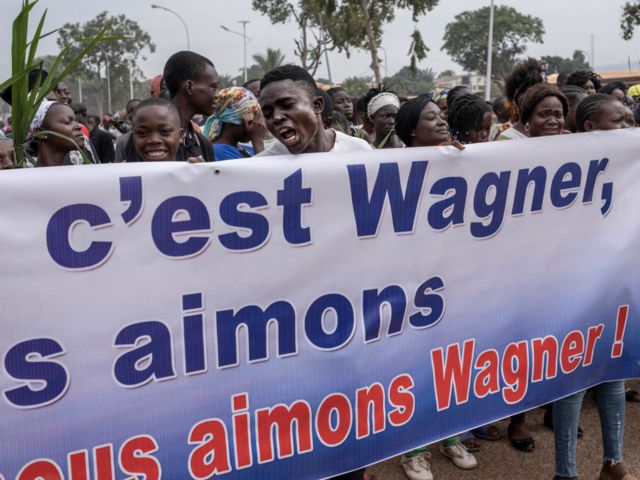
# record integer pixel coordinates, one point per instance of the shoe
(459, 455)
(487, 432)
(417, 467)
(523, 444)
(615, 471)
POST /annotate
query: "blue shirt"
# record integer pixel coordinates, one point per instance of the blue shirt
(222, 151)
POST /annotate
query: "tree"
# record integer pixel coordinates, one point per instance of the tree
(558, 64)
(447, 73)
(310, 15)
(358, 25)
(356, 86)
(630, 19)
(465, 39)
(122, 54)
(345, 25)
(28, 85)
(272, 59)
(407, 82)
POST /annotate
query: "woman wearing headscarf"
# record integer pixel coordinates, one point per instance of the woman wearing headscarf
(382, 110)
(53, 134)
(236, 120)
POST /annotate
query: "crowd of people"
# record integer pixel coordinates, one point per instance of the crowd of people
(187, 118)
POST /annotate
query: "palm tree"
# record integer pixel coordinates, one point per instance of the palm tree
(272, 59)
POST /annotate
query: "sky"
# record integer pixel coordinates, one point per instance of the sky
(569, 25)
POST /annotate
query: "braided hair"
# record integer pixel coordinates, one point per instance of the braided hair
(581, 77)
(573, 93)
(591, 107)
(466, 116)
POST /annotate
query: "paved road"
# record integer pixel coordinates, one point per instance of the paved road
(498, 460)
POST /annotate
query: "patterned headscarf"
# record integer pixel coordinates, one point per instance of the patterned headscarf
(381, 100)
(231, 106)
(38, 119)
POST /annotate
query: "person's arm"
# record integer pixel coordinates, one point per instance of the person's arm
(257, 132)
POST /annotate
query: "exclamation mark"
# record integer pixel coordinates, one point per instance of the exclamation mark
(621, 324)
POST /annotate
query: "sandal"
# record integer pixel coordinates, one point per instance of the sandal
(523, 444)
(632, 395)
(490, 433)
(469, 442)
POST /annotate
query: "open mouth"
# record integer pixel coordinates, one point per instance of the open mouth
(288, 136)
(155, 154)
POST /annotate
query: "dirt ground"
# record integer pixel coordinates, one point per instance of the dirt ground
(498, 460)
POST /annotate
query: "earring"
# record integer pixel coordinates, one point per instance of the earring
(413, 134)
(527, 127)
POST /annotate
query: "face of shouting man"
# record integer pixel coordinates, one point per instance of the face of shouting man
(292, 114)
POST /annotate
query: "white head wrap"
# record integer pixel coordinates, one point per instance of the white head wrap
(36, 123)
(382, 100)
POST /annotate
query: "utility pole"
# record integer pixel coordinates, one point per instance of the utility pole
(487, 87)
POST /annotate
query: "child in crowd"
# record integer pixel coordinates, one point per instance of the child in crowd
(156, 130)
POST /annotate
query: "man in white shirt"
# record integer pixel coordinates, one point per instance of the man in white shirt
(292, 111)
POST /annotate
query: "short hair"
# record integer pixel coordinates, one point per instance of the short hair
(523, 76)
(334, 90)
(534, 95)
(94, 118)
(153, 102)
(408, 116)
(131, 101)
(610, 87)
(183, 66)
(327, 109)
(591, 107)
(466, 115)
(78, 107)
(573, 93)
(581, 77)
(250, 81)
(293, 73)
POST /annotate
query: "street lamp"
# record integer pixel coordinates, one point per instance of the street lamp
(243, 34)
(186, 29)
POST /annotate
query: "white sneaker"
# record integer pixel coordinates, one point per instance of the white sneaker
(459, 455)
(417, 467)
